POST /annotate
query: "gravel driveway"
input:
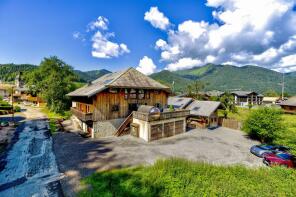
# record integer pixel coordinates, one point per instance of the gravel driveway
(79, 157)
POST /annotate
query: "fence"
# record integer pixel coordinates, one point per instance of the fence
(230, 123)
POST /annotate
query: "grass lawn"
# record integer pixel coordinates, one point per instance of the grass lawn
(177, 177)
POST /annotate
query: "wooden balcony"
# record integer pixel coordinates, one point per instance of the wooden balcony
(163, 116)
(81, 115)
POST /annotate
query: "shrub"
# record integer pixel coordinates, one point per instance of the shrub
(264, 124)
(17, 108)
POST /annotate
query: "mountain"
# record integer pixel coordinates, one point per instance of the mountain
(166, 77)
(293, 74)
(90, 75)
(228, 77)
(8, 72)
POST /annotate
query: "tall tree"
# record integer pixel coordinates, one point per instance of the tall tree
(52, 80)
(227, 101)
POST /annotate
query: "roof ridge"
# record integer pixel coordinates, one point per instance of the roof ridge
(116, 78)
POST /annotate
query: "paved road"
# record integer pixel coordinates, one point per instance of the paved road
(31, 168)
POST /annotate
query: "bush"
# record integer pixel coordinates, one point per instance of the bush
(264, 124)
(17, 108)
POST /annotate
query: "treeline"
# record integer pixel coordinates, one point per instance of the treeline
(8, 72)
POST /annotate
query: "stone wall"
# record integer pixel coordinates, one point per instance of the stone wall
(106, 128)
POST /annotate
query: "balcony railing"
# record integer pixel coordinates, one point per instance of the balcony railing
(164, 115)
(81, 115)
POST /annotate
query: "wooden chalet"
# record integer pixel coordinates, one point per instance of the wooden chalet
(289, 106)
(104, 106)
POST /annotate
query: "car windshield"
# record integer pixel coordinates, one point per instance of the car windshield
(265, 147)
(284, 156)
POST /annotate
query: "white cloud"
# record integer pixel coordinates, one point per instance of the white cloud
(247, 32)
(184, 63)
(100, 23)
(78, 36)
(157, 18)
(102, 46)
(287, 63)
(146, 66)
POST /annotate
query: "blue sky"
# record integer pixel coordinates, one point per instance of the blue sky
(156, 34)
(31, 30)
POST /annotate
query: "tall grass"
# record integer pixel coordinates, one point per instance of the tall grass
(178, 177)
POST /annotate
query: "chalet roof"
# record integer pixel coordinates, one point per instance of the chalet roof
(179, 102)
(214, 93)
(242, 93)
(203, 108)
(270, 99)
(290, 102)
(130, 78)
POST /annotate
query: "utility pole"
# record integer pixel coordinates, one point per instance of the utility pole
(12, 105)
(283, 86)
(173, 87)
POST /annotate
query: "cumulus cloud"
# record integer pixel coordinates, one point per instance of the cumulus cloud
(146, 66)
(78, 36)
(101, 23)
(102, 44)
(184, 63)
(245, 32)
(157, 18)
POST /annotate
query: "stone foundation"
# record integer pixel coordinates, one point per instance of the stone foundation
(106, 128)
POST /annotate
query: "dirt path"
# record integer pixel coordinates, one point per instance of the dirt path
(31, 168)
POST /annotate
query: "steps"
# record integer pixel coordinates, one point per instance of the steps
(124, 127)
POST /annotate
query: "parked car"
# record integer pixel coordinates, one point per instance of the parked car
(280, 159)
(4, 124)
(260, 150)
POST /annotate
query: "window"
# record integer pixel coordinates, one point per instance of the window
(133, 94)
(126, 94)
(115, 108)
(141, 94)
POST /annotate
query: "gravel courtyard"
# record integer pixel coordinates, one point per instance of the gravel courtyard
(79, 157)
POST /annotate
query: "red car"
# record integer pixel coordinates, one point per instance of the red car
(280, 159)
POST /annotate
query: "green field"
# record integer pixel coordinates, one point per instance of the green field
(177, 177)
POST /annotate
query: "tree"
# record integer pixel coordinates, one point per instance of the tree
(227, 102)
(52, 80)
(264, 124)
(271, 93)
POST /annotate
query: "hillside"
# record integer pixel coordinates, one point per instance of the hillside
(167, 78)
(227, 77)
(8, 72)
(90, 75)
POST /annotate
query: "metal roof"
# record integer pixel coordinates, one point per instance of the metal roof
(203, 108)
(130, 78)
(290, 102)
(243, 93)
(179, 102)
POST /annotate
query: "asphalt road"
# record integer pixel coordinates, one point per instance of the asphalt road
(31, 168)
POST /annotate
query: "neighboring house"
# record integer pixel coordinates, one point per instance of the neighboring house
(179, 102)
(289, 106)
(4, 90)
(204, 113)
(20, 90)
(244, 98)
(270, 100)
(214, 93)
(104, 107)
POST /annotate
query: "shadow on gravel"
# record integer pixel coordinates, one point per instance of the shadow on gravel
(79, 157)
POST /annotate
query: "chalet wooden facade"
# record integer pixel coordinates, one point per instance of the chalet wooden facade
(114, 97)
